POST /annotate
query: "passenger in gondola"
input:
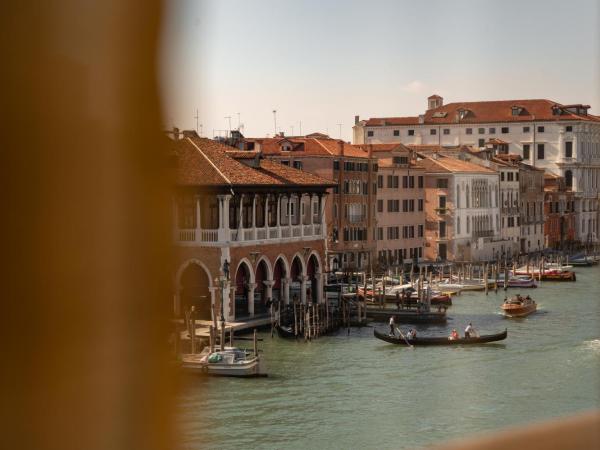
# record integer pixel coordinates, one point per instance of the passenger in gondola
(412, 333)
(469, 330)
(454, 335)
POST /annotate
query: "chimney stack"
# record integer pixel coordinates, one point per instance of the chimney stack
(356, 120)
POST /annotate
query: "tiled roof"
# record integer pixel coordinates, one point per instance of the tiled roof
(204, 162)
(452, 165)
(308, 147)
(496, 141)
(488, 111)
(377, 148)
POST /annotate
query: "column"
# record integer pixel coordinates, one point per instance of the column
(254, 217)
(269, 289)
(224, 234)
(278, 214)
(301, 221)
(266, 215)
(303, 285)
(198, 220)
(319, 293)
(240, 219)
(251, 287)
(215, 305)
(289, 211)
(322, 215)
(312, 215)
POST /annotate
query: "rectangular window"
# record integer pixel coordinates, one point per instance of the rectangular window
(526, 149)
(411, 132)
(504, 130)
(380, 181)
(492, 131)
(420, 204)
(442, 202)
(379, 205)
(420, 181)
(405, 182)
(411, 182)
(298, 165)
(569, 128)
(432, 131)
(404, 205)
(390, 182)
(526, 129)
(568, 149)
(481, 130)
(481, 143)
(540, 129)
(469, 130)
(446, 131)
(420, 231)
(380, 234)
(411, 205)
(369, 134)
(442, 226)
(395, 182)
(336, 165)
(540, 151)
(396, 132)
(501, 176)
(400, 160)
(285, 162)
(509, 176)
(442, 183)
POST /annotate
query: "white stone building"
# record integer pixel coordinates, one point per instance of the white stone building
(562, 139)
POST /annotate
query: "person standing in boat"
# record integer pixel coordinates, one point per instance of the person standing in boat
(392, 326)
(469, 330)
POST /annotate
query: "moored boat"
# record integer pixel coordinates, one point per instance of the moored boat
(229, 362)
(518, 281)
(519, 306)
(442, 340)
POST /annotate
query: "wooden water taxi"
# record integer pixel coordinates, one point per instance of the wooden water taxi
(442, 340)
(229, 362)
(519, 306)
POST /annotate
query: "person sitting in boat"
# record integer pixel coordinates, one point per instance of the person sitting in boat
(454, 335)
(392, 326)
(469, 330)
(412, 333)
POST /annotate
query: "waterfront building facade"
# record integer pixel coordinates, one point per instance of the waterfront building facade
(559, 212)
(561, 139)
(351, 240)
(400, 210)
(246, 229)
(462, 211)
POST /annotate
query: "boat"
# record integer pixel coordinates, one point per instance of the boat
(229, 362)
(518, 281)
(286, 332)
(519, 306)
(441, 340)
(548, 275)
(584, 261)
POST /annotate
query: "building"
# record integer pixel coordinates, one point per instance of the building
(255, 219)
(559, 212)
(561, 139)
(400, 211)
(462, 211)
(531, 187)
(350, 215)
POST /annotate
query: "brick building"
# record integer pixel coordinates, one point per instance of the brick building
(559, 211)
(351, 212)
(257, 219)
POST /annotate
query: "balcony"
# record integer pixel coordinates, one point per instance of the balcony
(216, 238)
(356, 218)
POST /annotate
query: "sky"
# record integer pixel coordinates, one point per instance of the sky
(319, 63)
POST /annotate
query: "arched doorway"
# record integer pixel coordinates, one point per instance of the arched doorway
(260, 298)
(195, 291)
(295, 274)
(311, 271)
(278, 275)
(242, 279)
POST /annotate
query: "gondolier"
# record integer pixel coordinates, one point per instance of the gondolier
(469, 330)
(392, 326)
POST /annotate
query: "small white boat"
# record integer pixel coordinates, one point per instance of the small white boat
(230, 362)
(518, 281)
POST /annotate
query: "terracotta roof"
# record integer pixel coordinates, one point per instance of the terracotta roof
(488, 111)
(389, 162)
(204, 162)
(496, 141)
(243, 154)
(452, 165)
(308, 147)
(377, 148)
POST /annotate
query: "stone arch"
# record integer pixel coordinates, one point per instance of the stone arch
(299, 257)
(297, 273)
(262, 274)
(243, 280)
(280, 273)
(313, 272)
(194, 288)
(268, 265)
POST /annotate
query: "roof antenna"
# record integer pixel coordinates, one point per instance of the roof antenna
(340, 125)
(275, 121)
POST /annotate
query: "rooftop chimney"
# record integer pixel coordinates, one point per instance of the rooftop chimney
(356, 120)
(421, 118)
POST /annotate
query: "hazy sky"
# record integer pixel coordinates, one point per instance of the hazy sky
(322, 62)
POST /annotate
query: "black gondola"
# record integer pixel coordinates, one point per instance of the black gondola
(286, 332)
(441, 340)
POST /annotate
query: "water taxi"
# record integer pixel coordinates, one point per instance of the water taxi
(519, 306)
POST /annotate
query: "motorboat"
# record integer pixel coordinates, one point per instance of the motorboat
(518, 281)
(518, 306)
(229, 362)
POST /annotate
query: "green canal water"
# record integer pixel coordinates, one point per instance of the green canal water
(355, 391)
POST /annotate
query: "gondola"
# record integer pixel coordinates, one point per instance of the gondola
(441, 340)
(286, 332)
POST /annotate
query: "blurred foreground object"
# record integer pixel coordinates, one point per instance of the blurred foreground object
(85, 289)
(580, 432)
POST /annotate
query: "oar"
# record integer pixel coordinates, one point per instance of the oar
(403, 337)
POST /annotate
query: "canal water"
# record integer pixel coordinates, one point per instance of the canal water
(355, 391)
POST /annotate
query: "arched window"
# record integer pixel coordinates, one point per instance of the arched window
(458, 225)
(569, 178)
(458, 196)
